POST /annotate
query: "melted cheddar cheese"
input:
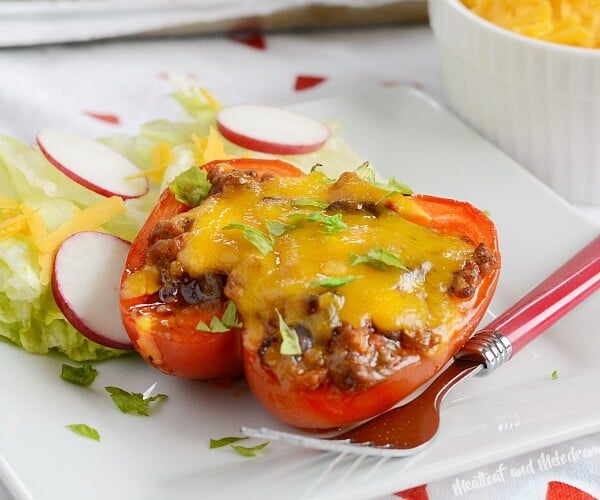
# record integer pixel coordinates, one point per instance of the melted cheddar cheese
(318, 227)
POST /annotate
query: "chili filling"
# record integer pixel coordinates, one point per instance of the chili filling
(343, 265)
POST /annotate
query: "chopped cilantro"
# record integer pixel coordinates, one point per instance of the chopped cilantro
(379, 258)
(396, 187)
(263, 242)
(230, 317)
(331, 223)
(191, 186)
(290, 343)
(216, 326)
(226, 323)
(224, 441)
(249, 451)
(305, 202)
(83, 375)
(132, 402)
(85, 431)
(554, 375)
(367, 173)
(334, 282)
(246, 451)
(278, 228)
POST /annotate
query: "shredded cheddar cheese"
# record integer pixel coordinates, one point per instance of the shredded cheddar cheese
(88, 219)
(38, 230)
(308, 248)
(569, 22)
(209, 148)
(161, 157)
(13, 225)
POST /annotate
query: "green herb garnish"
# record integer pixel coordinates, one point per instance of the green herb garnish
(226, 323)
(379, 258)
(132, 402)
(191, 186)
(83, 375)
(278, 228)
(331, 223)
(216, 326)
(334, 282)
(224, 441)
(230, 317)
(367, 173)
(290, 343)
(246, 451)
(554, 375)
(395, 186)
(305, 202)
(255, 236)
(85, 431)
(249, 451)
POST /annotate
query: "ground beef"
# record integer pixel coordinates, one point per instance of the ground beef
(465, 282)
(354, 358)
(353, 206)
(222, 178)
(163, 252)
(412, 340)
(171, 228)
(485, 259)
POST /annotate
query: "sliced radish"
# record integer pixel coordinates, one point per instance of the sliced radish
(271, 130)
(85, 284)
(92, 164)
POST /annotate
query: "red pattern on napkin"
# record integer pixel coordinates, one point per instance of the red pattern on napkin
(558, 490)
(104, 117)
(417, 493)
(254, 39)
(304, 82)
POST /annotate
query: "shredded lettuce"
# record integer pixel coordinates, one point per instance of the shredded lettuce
(29, 316)
(163, 149)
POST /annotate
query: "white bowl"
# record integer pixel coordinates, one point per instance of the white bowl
(538, 101)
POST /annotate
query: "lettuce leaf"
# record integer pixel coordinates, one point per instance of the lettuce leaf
(29, 316)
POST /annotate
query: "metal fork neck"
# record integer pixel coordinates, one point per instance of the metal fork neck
(488, 347)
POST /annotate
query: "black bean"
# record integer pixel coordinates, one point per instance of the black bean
(304, 337)
(168, 293)
(208, 287)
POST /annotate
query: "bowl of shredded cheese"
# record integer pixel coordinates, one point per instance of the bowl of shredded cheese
(526, 74)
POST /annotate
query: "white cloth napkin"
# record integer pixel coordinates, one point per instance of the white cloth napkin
(41, 22)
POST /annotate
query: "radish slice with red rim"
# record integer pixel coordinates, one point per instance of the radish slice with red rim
(85, 283)
(272, 130)
(92, 164)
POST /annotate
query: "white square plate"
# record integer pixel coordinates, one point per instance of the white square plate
(166, 455)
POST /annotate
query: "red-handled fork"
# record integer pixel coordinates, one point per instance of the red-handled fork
(408, 429)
